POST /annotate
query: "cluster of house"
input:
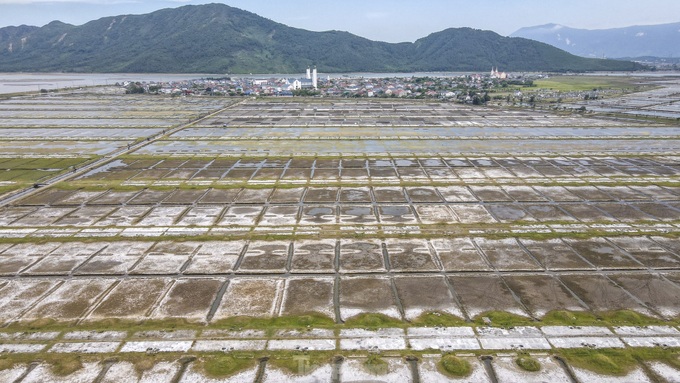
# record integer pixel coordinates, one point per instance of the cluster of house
(443, 87)
(234, 86)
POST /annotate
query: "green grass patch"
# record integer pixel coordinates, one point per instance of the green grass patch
(59, 364)
(26, 171)
(527, 363)
(668, 356)
(66, 364)
(571, 318)
(609, 318)
(371, 320)
(313, 320)
(376, 365)
(310, 320)
(27, 175)
(42, 163)
(503, 319)
(140, 361)
(9, 188)
(68, 162)
(21, 163)
(438, 319)
(454, 366)
(7, 363)
(143, 363)
(300, 363)
(616, 362)
(37, 325)
(588, 83)
(225, 365)
(629, 318)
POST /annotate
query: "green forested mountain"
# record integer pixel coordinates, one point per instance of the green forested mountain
(216, 38)
(468, 50)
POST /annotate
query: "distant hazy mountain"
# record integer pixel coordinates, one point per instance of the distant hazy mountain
(216, 38)
(652, 40)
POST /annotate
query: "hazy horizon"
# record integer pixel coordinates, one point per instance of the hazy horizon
(391, 21)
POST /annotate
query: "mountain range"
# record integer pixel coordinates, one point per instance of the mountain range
(216, 38)
(636, 41)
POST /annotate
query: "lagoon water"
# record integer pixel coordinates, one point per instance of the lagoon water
(33, 82)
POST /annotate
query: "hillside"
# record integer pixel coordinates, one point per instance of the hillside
(637, 41)
(469, 50)
(216, 38)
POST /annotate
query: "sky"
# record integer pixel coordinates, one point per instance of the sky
(383, 20)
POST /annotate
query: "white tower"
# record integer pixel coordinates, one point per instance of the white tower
(309, 73)
(315, 78)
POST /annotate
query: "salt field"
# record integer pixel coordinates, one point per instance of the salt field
(308, 240)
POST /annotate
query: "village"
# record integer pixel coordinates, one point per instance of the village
(453, 87)
(492, 88)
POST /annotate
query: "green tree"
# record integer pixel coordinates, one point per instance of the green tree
(305, 92)
(134, 88)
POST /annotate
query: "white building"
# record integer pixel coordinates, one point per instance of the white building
(295, 84)
(496, 74)
(312, 81)
(301, 83)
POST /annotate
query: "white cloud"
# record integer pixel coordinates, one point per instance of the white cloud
(639, 34)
